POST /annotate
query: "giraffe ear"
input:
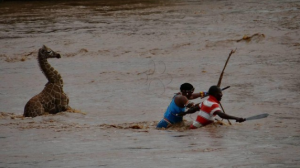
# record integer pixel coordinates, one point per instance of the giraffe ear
(44, 47)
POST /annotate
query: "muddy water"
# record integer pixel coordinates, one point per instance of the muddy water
(123, 60)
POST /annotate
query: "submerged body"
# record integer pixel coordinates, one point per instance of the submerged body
(171, 115)
(52, 99)
(210, 108)
(178, 105)
(207, 112)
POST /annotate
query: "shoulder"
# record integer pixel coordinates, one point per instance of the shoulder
(181, 100)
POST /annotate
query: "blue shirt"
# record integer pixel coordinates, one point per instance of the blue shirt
(171, 112)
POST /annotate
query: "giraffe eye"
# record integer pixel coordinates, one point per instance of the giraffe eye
(49, 52)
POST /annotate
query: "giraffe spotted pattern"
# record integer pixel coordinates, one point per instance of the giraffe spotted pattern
(52, 99)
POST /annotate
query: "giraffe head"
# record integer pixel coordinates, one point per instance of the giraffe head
(48, 53)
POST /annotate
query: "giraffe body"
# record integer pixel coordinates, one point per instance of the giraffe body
(52, 99)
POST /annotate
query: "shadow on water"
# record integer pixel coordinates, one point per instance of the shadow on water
(19, 19)
(14, 6)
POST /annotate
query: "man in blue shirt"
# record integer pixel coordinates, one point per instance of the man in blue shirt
(179, 104)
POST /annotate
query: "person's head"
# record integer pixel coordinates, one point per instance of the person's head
(216, 92)
(187, 89)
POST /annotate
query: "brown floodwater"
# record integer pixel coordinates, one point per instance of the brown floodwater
(121, 63)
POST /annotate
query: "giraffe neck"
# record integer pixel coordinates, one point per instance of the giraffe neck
(51, 74)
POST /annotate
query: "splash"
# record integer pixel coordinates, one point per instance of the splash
(71, 110)
(183, 126)
(4, 115)
(133, 125)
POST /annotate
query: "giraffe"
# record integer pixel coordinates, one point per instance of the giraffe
(52, 99)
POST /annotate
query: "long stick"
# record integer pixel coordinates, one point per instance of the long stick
(225, 113)
(221, 77)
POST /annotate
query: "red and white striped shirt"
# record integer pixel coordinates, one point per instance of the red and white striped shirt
(207, 112)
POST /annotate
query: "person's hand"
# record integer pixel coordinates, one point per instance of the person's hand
(240, 120)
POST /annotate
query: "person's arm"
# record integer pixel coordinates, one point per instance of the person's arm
(226, 116)
(190, 105)
(197, 95)
(190, 110)
(182, 101)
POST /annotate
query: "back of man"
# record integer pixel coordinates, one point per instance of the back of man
(207, 112)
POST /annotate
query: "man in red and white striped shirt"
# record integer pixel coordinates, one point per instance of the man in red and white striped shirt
(210, 108)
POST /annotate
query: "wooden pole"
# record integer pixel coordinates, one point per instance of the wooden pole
(221, 77)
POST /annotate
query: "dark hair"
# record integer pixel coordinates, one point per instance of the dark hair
(213, 90)
(186, 86)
